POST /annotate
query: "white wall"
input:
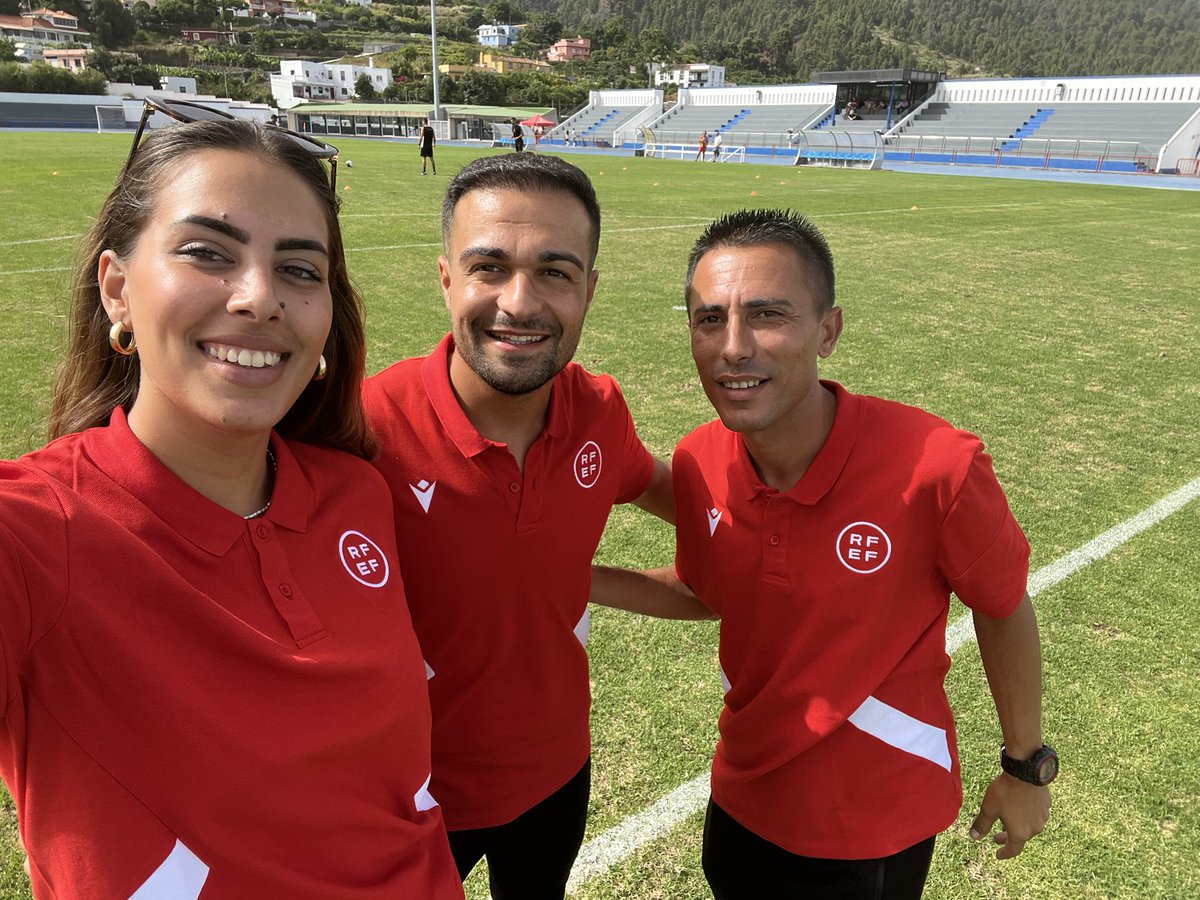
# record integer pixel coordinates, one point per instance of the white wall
(1115, 89)
(767, 95)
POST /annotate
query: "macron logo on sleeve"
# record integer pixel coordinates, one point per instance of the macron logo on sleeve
(423, 491)
(714, 516)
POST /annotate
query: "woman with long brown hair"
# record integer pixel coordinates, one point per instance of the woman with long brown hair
(211, 683)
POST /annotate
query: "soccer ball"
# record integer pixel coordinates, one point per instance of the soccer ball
(349, 164)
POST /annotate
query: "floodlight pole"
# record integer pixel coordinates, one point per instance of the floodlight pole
(437, 101)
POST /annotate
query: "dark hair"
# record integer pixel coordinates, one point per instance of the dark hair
(93, 379)
(522, 172)
(755, 227)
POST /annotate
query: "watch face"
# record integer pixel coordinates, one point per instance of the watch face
(1048, 769)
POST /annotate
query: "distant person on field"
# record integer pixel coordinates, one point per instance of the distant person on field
(428, 139)
(716, 147)
(518, 136)
(703, 145)
(827, 531)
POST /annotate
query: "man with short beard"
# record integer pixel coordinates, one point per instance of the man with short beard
(504, 459)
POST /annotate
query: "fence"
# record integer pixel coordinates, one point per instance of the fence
(1039, 153)
(662, 150)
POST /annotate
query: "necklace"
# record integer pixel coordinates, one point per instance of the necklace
(263, 511)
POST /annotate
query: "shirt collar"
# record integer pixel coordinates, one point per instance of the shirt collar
(822, 473)
(118, 453)
(435, 375)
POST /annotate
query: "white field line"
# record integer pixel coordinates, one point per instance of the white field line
(36, 271)
(612, 846)
(697, 222)
(61, 237)
(393, 247)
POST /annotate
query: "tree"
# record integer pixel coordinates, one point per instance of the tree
(8, 50)
(112, 24)
(40, 78)
(779, 51)
(611, 34)
(500, 11)
(655, 45)
(263, 40)
(363, 87)
(482, 88)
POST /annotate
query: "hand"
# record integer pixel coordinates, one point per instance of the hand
(25, 862)
(1021, 808)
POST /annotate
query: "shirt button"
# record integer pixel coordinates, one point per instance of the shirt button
(286, 590)
(261, 531)
(514, 488)
(773, 540)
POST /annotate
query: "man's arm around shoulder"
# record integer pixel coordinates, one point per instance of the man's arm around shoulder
(651, 592)
(658, 498)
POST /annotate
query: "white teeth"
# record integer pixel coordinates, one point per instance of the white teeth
(520, 338)
(251, 359)
(742, 385)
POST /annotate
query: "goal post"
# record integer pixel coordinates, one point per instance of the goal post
(110, 118)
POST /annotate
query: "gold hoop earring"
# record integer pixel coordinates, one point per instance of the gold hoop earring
(322, 369)
(114, 340)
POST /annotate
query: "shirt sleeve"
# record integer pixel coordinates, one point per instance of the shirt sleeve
(637, 464)
(982, 552)
(33, 570)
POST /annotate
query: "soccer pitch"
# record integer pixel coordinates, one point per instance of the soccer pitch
(1060, 322)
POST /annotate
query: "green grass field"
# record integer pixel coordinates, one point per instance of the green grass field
(1060, 322)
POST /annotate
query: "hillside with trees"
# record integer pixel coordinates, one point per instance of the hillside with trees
(1011, 37)
(758, 42)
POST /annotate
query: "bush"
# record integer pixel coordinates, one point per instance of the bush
(41, 78)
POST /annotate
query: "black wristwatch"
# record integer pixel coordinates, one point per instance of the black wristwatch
(1039, 769)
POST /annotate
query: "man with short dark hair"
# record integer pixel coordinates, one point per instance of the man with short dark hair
(427, 140)
(505, 459)
(827, 530)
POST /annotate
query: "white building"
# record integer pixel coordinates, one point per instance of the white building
(496, 35)
(33, 32)
(299, 80)
(690, 75)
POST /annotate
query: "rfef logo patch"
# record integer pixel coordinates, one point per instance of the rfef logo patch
(864, 547)
(363, 559)
(588, 463)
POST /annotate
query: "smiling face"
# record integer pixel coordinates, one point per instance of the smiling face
(226, 292)
(518, 279)
(756, 333)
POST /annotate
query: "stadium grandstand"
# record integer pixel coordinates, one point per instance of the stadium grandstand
(1134, 124)
(1117, 124)
(610, 119)
(757, 118)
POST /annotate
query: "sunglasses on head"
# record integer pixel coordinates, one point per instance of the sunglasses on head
(187, 111)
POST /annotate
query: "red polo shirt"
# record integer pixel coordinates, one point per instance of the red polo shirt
(197, 705)
(497, 565)
(837, 740)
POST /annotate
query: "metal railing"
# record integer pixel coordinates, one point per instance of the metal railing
(1044, 153)
(664, 150)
